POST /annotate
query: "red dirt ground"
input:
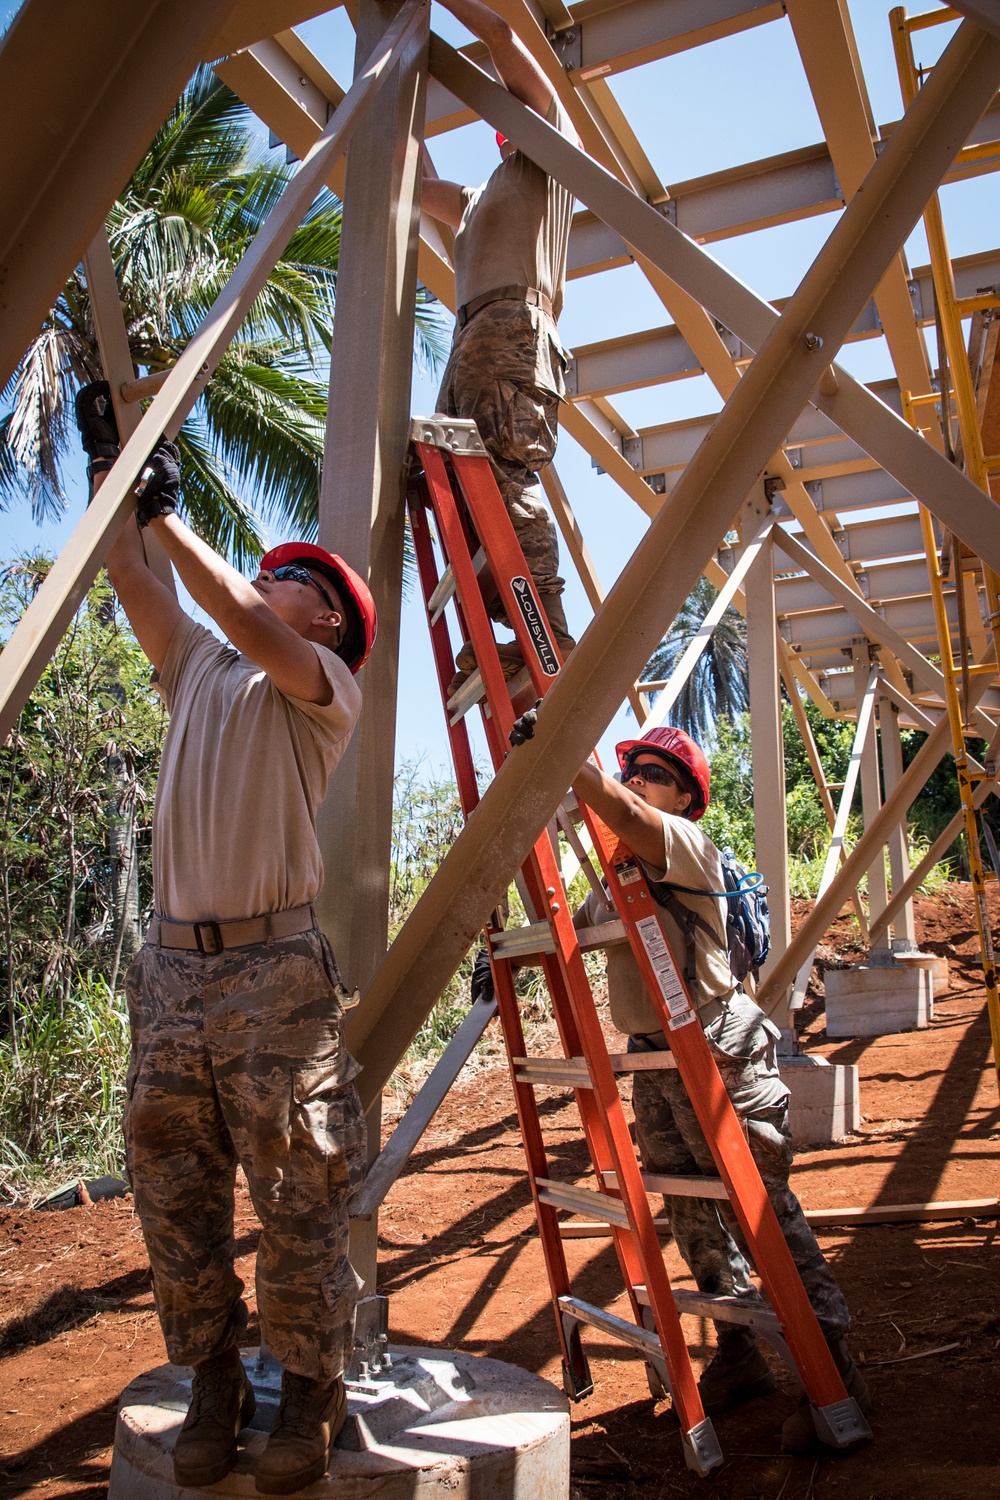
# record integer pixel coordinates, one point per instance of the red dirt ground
(462, 1266)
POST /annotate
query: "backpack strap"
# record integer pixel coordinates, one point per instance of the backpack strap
(687, 920)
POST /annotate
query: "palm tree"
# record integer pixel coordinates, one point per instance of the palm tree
(718, 687)
(252, 447)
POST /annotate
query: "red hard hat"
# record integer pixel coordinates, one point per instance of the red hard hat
(362, 620)
(675, 745)
(501, 138)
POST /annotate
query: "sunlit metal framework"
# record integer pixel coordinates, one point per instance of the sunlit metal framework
(836, 517)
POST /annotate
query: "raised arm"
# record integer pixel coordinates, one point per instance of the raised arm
(152, 610)
(638, 825)
(248, 622)
(516, 68)
(441, 199)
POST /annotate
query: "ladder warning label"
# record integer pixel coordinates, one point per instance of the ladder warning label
(674, 995)
(536, 625)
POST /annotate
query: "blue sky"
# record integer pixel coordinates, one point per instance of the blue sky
(735, 100)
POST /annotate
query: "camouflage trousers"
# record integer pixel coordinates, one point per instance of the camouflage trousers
(671, 1141)
(505, 373)
(239, 1058)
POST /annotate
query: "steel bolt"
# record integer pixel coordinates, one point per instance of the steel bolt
(813, 341)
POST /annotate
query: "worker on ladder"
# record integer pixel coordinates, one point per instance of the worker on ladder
(654, 809)
(235, 1001)
(507, 370)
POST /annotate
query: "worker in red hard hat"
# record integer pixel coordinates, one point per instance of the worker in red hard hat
(654, 808)
(235, 1001)
(507, 369)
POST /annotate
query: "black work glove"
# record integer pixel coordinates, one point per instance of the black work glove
(158, 487)
(95, 417)
(481, 987)
(524, 727)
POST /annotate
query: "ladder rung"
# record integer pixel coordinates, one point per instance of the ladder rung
(597, 1317)
(466, 697)
(521, 942)
(578, 1200)
(574, 1072)
(604, 935)
(726, 1309)
(535, 938)
(570, 1072)
(581, 1229)
(446, 588)
(473, 690)
(641, 1062)
(676, 1187)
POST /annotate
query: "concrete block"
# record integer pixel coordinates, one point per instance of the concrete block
(437, 1425)
(936, 966)
(825, 1099)
(877, 1000)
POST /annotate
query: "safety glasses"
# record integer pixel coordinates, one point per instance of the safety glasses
(298, 574)
(653, 773)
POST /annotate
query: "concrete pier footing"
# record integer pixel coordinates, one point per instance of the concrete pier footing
(825, 1101)
(875, 1000)
(435, 1425)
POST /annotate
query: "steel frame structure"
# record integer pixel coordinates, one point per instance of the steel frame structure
(799, 499)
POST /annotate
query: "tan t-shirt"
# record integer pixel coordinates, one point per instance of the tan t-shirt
(515, 228)
(243, 771)
(689, 858)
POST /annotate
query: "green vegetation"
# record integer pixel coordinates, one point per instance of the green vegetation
(79, 769)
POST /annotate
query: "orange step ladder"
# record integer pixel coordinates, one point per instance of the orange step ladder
(453, 501)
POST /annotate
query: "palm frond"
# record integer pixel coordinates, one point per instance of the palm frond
(718, 687)
(212, 507)
(268, 426)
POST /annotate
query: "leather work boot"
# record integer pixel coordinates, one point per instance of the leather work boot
(556, 616)
(798, 1435)
(511, 662)
(738, 1372)
(222, 1403)
(298, 1451)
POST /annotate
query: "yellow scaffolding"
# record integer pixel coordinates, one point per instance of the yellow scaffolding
(953, 357)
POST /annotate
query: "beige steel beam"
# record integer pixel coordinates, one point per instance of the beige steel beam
(362, 503)
(529, 786)
(49, 613)
(770, 819)
(251, 21)
(825, 39)
(874, 626)
(757, 195)
(985, 13)
(871, 784)
(83, 90)
(899, 855)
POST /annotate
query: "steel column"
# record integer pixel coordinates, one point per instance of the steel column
(871, 785)
(767, 746)
(899, 855)
(362, 505)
